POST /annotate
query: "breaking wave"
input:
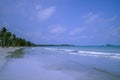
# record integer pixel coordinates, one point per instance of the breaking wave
(88, 53)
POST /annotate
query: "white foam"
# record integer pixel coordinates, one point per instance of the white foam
(88, 53)
(101, 54)
(50, 48)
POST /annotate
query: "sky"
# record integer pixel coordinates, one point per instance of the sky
(78, 22)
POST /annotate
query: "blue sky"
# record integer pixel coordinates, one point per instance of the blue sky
(79, 22)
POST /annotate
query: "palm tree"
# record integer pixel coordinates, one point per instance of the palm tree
(0, 38)
(13, 40)
(3, 36)
(8, 39)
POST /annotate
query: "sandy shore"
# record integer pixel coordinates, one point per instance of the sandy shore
(5, 52)
(40, 63)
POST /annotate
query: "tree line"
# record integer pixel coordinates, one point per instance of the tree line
(8, 39)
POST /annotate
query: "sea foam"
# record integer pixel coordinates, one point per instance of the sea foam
(87, 53)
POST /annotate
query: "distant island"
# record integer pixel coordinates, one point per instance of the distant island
(111, 45)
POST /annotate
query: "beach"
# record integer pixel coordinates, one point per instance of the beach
(5, 52)
(56, 63)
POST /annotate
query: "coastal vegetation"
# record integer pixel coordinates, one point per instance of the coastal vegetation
(8, 39)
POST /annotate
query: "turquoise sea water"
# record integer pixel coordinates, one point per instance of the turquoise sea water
(63, 63)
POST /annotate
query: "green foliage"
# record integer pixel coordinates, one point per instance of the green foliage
(8, 39)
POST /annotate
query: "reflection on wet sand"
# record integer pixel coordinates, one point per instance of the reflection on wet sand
(19, 53)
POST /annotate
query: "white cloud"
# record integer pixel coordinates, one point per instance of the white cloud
(113, 18)
(57, 29)
(91, 17)
(114, 32)
(76, 31)
(35, 11)
(46, 13)
(38, 7)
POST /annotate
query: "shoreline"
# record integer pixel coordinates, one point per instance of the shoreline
(5, 52)
(58, 65)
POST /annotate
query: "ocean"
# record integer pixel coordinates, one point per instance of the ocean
(63, 63)
(103, 51)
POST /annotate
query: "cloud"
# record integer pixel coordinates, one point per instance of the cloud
(91, 17)
(98, 18)
(113, 18)
(76, 31)
(114, 32)
(35, 11)
(46, 13)
(57, 29)
(38, 7)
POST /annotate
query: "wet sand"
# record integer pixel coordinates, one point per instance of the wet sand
(5, 52)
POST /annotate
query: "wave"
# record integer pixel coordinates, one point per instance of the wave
(88, 53)
(51, 48)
